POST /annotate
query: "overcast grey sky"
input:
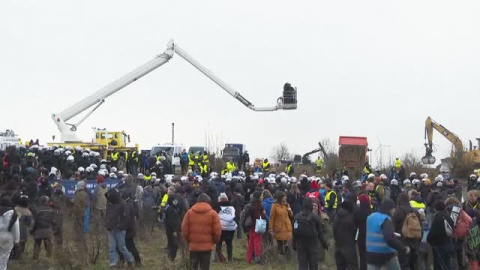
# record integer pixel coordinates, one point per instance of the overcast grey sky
(364, 68)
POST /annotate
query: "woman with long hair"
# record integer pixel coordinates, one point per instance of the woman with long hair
(255, 239)
(294, 199)
(280, 224)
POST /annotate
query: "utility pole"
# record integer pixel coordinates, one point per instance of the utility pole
(173, 133)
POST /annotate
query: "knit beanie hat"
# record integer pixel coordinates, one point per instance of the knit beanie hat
(223, 197)
(204, 198)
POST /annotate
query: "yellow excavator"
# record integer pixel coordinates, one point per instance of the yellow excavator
(471, 154)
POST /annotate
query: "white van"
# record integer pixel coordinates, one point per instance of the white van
(174, 150)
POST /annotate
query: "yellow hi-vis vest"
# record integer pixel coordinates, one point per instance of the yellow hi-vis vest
(163, 203)
(319, 162)
(327, 199)
(417, 205)
(266, 166)
(147, 178)
(114, 156)
(288, 169)
(206, 160)
(398, 163)
(230, 167)
(191, 162)
(366, 170)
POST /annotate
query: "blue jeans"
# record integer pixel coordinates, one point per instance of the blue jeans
(116, 239)
(391, 264)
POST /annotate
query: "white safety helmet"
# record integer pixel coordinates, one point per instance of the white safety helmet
(103, 161)
(70, 158)
(140, 176)
(371, 175)
(68, 153)
(394, 182)
(473, 176)
(102, 172)
(92, 154)
(214, 175)
(283, 180)
(241, 173)
(272, 175)
(345, 178)
(120, 173)
(169, 178)
(87, 150)
(383, 177)
(407, 182)
(283, 174)
(81, 169)
(183, 179)
(153, 174)
(68, 147)
(228, 179)
(56, 152)
(113, 169)
(413, 174)
(357, 183)
(228, 175)
(199, 178)
(94, 166)
(293, 179)
(53, 171)
(103, 167)
(439, 178)
(254, 177)
(271, 180)
(416, 182)
(85, 154)
(89, 169)
(113, 175)
(78, 148)
(423, 175)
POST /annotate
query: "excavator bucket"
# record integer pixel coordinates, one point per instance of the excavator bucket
(428, 160)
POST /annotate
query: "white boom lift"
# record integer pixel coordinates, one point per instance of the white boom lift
(287, 102)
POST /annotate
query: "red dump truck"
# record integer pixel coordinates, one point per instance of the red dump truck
(353, 151)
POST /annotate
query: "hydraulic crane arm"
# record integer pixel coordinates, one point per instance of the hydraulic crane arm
(430, 125)
(319, 149)
(287, 102)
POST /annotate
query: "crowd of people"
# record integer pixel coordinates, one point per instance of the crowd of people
(379, 221)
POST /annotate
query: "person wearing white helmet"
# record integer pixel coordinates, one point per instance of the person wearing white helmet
(70, 158)
(112, 175)
(472, 181)
(81, 169)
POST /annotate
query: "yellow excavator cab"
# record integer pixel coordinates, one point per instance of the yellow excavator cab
(114, 138)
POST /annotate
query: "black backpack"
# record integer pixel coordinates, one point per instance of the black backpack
(304, 226)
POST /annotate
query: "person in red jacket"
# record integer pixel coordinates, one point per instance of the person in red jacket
(201, 229)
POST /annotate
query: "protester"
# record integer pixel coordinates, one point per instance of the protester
(81, 210)
(361, 223)
(9, 230)
(201, 229)
(307, 235)
(280, 223)
(255, 211)
(227, 219)
(44, 218)
(344, 231)
(25, 218)
(382, 243)
(173, 222)
(439, 239)
(116, 224)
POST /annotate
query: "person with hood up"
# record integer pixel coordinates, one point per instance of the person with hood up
(44, 218)
(382, 244)
(116, 222)
(238, 202)
(227, 219)
(133, 215)
(307, 235)
(360, 217)
(149, 204)
(219, 185)
(99, 199)
(173, 222)
(81, 210)
(438, 238)
(404, 208)
(9, 230)
(201, 229)
(344, 231)
(280, 223)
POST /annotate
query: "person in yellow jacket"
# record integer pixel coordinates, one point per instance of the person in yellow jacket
(416, 200)
(231, 166)
(191, 160)
(398, 163)
(289, 169)
(163, 203)
(318, 165)
(331, 200)
(265, 166)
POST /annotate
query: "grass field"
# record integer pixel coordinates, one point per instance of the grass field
(151, 248)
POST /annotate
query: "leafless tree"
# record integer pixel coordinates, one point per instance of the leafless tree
(280, 152)
(213, 143)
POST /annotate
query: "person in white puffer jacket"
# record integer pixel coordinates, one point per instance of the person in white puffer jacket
(9, 230)
(227, 216)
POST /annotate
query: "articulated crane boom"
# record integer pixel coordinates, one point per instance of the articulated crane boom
(430, 125)
(287, 102)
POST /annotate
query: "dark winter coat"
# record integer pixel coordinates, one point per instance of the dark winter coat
(344, 231)
(437, 235)
(133, 216)
(401, 213)
(295, 202)
(173, 217)
(44, 218)
(116, 217)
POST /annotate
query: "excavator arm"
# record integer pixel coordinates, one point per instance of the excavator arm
(288, 101)
(430, 125)
(319, 149)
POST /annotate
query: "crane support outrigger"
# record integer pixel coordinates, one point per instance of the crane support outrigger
(286, 102)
